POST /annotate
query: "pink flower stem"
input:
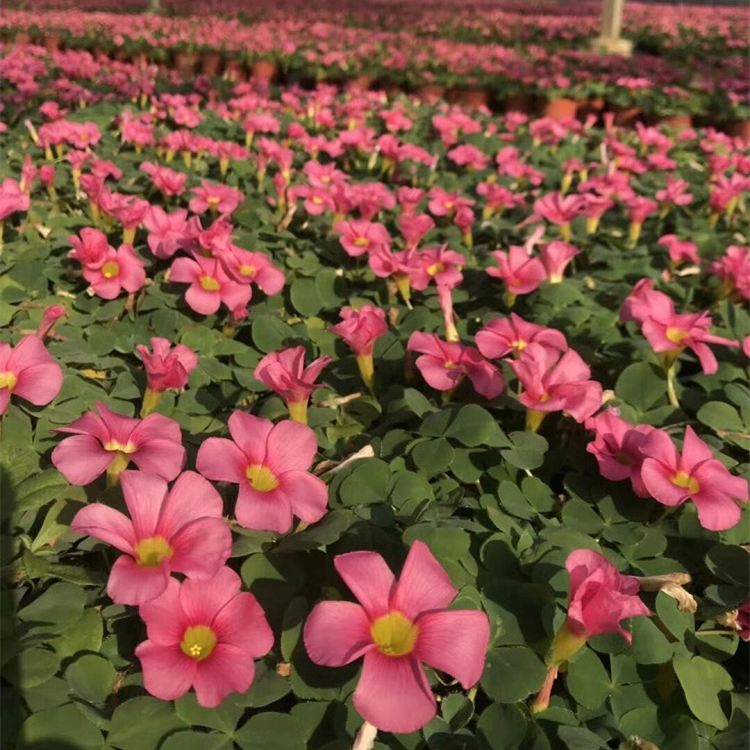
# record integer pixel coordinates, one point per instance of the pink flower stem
(541, 702)
(365, 739)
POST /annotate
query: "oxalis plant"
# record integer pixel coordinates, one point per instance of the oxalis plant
(334, 420)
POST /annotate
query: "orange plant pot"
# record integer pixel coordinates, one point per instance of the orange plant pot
(560, 109)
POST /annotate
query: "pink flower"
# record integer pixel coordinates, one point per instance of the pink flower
(675, 193)
(209, 285)
(28, 370)
(559, 210)
(444, 364)
(167, 232)
(12, 198)
(501, 336)
(600, 596)
(680, 250)
(438, 263)
(669, 333)
(554, 383)
(205, 635)
(166, 180)
(122, 269)
(167, 368)
(285, 373)
(556, 256)
(90, 249)
(617, 448)
(216, 198)
(179, 531)
(359, 236)
(743, 620)
(246, 267)
(51, 315)
(414, 227)
(397, 626)
(360, 329)
(270, 463)
(672, 478)
(594, 207)
(109, 441)
(521, 273)
(734, 269)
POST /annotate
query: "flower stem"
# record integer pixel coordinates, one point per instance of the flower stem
(671, 381)
(365, 739)
(541, 702)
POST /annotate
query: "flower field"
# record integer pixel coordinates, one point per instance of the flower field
(355, 396)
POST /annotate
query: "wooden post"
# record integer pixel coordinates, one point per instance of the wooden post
(610, 40)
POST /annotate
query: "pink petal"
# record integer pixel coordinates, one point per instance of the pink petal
(202, 600)
(694, 450)
(424, 585)
(222, 460)
(105, 524)
(39, 383)
(251, 435)
(337, 633)
(165, 619)
(242, 623)
(369, 579)
(134, 584)
(306, 494)
(716, 511)
(290, 446)
(454, 642)
(393, 694)
(655, 477)
(167, 672)
(202, 301)
(81, 459)
(436, 374)
(263, 511)
(228, 670)
(144, 496)
(161, 457)
(192, 497)
(201, 547)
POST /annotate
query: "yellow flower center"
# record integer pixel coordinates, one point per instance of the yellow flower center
(261, 478)
(435, 268)
(213, 201)
(8, 380)
(113, 445)
(150, 552)
(198, 642)
(685, 481)
(676, 336)
(394, 634)
(209, 283)
(451, 365)
(520, 345)
(110, 269)
(317, 200)
(247, 270)
(361, 241)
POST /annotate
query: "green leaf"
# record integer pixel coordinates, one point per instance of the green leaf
(678, 623)
(197, 741)
(721, 417)
(62, 727)
(730, 563)
(650, 645)
(457, 710)
(512, 673)
(433, 456)
(641, 385)
(267, 687)
(665, 729)
(271, 731)
(702, 681)
(366, 484)
(84, 634)
(271, 334)
(142, 723)
(42, 488)
(587, 679)
(501, 727)
(528, 451)
(91, 677)
(56, 609)
(33, 666)
(224, 717)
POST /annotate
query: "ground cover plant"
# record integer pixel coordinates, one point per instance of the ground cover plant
(339, 419)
